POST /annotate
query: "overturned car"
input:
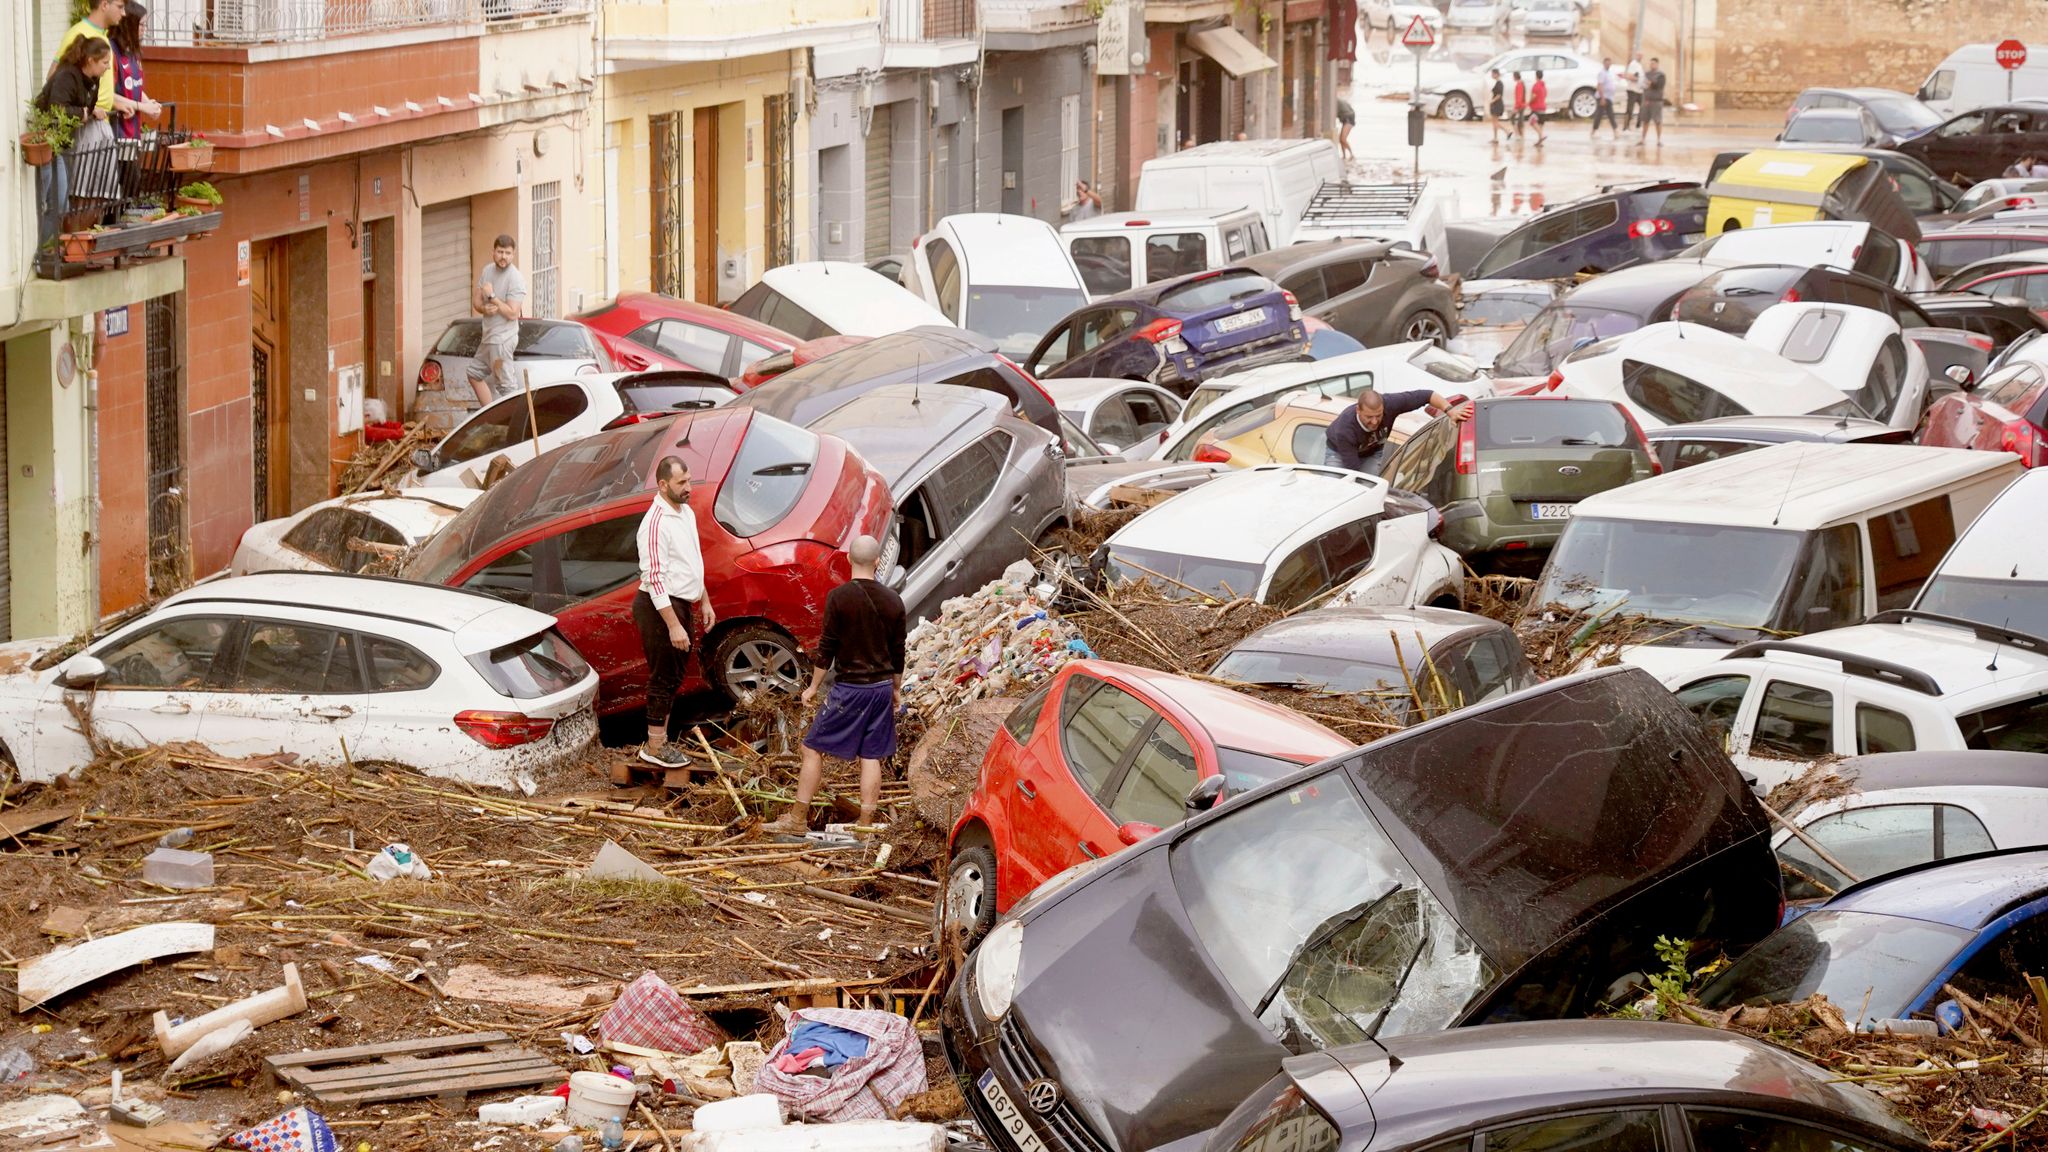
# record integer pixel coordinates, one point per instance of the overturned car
(1515, 861)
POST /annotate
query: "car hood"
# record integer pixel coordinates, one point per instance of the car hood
(1667, 664)
(18, 657)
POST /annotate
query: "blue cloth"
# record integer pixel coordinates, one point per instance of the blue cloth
(840, 1044)
(858, 722)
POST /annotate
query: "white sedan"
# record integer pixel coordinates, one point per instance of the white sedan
(1678, 373)
(1569, 77)
(1396, 15)
(522, 426)
(1123, 417)
(335, 669)
(349, 533)
(1549, 18)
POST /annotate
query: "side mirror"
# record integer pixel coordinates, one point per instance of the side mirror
(81, 672)
(423, 459)
(897, 578)
(1136, 830)
(1962, 376)
(1204, 795)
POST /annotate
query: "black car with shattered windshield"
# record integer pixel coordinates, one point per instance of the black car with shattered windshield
(1514, 861)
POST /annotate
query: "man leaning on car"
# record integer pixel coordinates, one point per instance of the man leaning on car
(1357, 438)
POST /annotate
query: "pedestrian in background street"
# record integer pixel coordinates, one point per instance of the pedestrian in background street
(1521, 104)
(1539, 102)
(1496, 104)
(1357, 438)
(1653, 102)
(500, 297)
(1632, 81)
(1603, 91)
(862, 645)
(1347, 119)
(671, 610)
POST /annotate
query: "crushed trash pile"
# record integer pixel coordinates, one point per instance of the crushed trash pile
(380, 463)
(1001, 640)
(1559, 640)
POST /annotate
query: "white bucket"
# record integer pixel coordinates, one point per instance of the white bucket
(595, 1097)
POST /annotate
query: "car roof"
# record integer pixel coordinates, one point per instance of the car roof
(1854, 340)
(899, 428)
(1151, 294)
(1750, 375)
(1247, 516)
(2005, 541)
(1443, 1081)
(1279, 261)
(1366, 634)
(1292, 374)
(1831, 113)
(1946, 768)
(805, 392)
(1024, 250)
(478, 621)
(1775, 429)
(852, 298)
(653, 305)
(1233, 719)
(1954, 657)
(1226, 151)
(1797, 487)
(1966, 893)
(1629, 289)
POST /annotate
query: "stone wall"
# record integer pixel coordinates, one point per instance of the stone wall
(1769, 49)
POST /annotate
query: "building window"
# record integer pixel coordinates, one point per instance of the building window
(778, 166)
(1070, 148)
(665, 141)
(547, 243)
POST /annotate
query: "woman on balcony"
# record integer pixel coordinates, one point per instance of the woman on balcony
(74, 86)
(132, 105)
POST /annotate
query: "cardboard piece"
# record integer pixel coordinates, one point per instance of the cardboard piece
(615, 863)
(66, 921)
(60, 970)
(476, 982)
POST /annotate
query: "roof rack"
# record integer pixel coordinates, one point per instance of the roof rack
(1909, 678)
(1342, 204)
(1990, 632)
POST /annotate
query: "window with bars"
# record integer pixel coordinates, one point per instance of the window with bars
(665, 141)
(547, 258)
(780, 162)
(1070, 148)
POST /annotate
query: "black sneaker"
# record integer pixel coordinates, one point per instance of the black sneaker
(669, 755)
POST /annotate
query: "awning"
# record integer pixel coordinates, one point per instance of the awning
(1226, 46)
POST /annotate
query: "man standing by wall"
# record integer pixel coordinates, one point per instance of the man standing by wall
(1357, 438)
(672, 612)
(862, 643)
(500, 298)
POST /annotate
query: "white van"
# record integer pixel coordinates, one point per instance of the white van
(1783, 540)
(1276, 177)
(1971, 78)
(1126, 250)
(1997, 573)
(1006, 277)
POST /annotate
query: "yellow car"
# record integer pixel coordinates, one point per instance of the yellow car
(1776, 186)
(1287, 431)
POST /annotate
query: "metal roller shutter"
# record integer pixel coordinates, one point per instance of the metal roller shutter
(445, 267)
(880, 153)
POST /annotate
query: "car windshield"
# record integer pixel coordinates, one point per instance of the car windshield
(1549, 423)
(2019, 605)
(1300, 670)
(1902, 115)
(1318, 924)
(1862, 961)
(1810, 129)
(1557, 330)
(768, 476)
(1708, 574)
(1443, 365)
(1185, 575)
(1500, 308)
(1016, 318)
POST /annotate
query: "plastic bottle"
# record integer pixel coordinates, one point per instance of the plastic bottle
(175, 838)
(611, 1134)
(15, 1064)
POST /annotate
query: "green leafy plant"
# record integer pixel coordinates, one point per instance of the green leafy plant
(1671, 990)
(200, 190)
(54, 126)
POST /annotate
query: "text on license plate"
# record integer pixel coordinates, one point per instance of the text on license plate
(1008, 1114)
(1242, 320)
(1550, 511)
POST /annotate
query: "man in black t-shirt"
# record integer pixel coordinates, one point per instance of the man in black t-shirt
(1357, 438)
(862, 644)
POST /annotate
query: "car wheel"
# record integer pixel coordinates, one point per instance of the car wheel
(969, 901)
(754, 658)
(1584, 104)
(1457, 106)
(1425, 325)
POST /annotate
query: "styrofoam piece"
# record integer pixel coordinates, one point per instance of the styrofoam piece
(523, 1110)
(848, 1136)
(758, 1110)
(177, 868)
(258, 1010)
(62, 969)
(595, 1097)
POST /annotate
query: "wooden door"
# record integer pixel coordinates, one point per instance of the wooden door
(269, 379)
(705, 206)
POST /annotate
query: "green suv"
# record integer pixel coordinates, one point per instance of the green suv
(1507, 480)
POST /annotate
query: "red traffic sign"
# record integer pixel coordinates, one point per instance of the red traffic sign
(2010, 54)
(1418, 35)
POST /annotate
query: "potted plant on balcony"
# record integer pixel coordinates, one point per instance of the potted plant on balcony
(199, 195)
(48, 132)
(195, 155)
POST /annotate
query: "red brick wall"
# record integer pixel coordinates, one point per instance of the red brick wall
(123, 476)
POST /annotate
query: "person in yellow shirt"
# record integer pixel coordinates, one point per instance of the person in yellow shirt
(102, 15)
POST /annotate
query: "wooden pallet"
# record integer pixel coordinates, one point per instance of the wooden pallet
(446, 1066)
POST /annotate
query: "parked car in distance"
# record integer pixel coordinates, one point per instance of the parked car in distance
(1899, 116)
(935, 355)
(1476, 14)
(1982, 143)
(650, 330)
(1678, 373)
(1972, 77)
(1372, 291)
(1549, 18)
(2001, 323)
(460, 686)
(1286, 535)
(2005, 412)
(1605, 306)
(1124, 417)
(1451, 659)
(1285, 920)
(545, 350)
(521, 426)
(1997, 570)
(1922, 193)
(1491, 313)
(349, 533)
(1102, 756)
(1508, 479)
(1178, 332)
(775, 507)
(1834, 126)
(834, 298)
(976, 486)
(1905, 809)
(1118, 251)
(1006, 277)
(1842, 245)
(1563, 1083)
(1616, 227)
(1886, 949)
(1277, 178)
(1684, 445)
(1860, 351)
(1990, 197)
(1396, 15)
(1571, 77)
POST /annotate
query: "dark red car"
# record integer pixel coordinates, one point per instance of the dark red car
(1100, 757)
(649, 330)
(768, 368)
(775, 505)
(2007, 412)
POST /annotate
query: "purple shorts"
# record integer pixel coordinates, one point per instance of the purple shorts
(858, 722)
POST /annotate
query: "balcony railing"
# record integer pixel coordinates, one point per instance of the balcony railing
(115, 203)
(909, 21)
(201, 22)
(1033, 16)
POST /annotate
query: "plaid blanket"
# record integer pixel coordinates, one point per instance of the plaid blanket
(868, 1088)
(650, 1014)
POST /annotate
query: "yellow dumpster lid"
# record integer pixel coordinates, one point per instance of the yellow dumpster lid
(1770, 170)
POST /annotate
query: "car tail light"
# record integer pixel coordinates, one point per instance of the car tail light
(1981, 343)
(1158, 332)
(1555, 381)
(632, 418)
(1212, 454)
(1644, 229)
(2025, 441)
(1293, 305)
(1468, 446)
(1636, 430)
(1791, 296)
(1514, 545)
(2019, 201)
(1013, 366)
(430, 373)
(1137, 223)
(503, 729)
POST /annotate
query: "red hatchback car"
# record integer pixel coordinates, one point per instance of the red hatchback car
(649, 330)
(775, 505)
(1099, 757)
(2007, 412)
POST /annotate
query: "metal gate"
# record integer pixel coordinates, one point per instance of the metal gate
(880, 154)
(259, 426)
(164, 445)
(665, 139)
(775, 119)
(547, 235)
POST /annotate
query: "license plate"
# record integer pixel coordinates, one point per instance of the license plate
(1241, 321)
(1550, 511)
(1008, 1114)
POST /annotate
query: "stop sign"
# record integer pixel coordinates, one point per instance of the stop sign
(2010, 54)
